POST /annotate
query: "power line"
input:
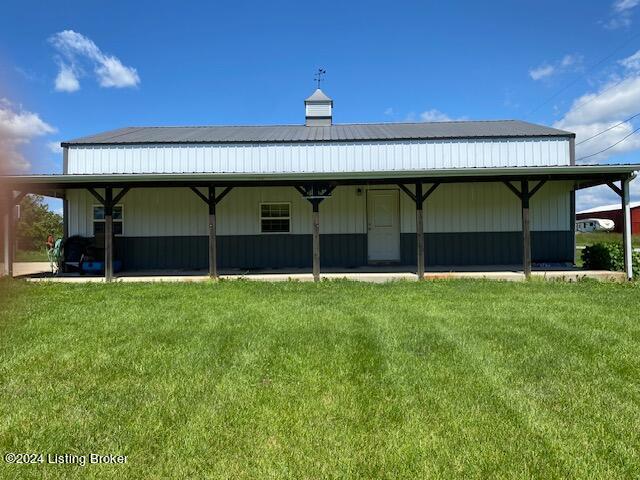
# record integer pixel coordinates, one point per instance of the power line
(610, 146)
(579, 106)
(610, 128)
(574, 81)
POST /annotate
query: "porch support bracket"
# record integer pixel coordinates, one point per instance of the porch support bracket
(12, 199)
(8, 227)
(212, 200)
(108, 202)
(524, 194)
(419, 198)
(315, 193)
(623, 193)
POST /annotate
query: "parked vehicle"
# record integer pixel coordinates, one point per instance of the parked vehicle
(595, 225)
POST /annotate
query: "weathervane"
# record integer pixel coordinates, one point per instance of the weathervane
(319, 76)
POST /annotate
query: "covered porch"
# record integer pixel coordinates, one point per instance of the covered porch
(317, 188)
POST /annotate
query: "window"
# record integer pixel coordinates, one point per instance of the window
(98, 220)
(275, 217)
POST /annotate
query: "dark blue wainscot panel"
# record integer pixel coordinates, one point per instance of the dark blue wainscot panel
(488, 248)
(240, 251)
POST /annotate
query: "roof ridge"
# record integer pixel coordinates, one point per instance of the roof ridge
(268, 125)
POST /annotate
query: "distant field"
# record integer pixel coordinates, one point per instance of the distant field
(437, 379)
(583, 239)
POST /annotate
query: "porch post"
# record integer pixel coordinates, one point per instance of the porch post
(626, 235)
(526, 231)
(315, 203)
(8, 233)
(315, 194)
(108, 234)
(419, 232)
(213, 267)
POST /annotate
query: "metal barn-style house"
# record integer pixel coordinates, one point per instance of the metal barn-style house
(321, 194)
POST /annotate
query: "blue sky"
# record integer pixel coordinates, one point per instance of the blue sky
(68, 69)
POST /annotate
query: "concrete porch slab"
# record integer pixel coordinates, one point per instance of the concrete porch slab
(39, 271)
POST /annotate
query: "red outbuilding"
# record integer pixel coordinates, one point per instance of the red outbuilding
(614, 212)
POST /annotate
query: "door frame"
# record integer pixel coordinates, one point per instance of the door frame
(398, 212)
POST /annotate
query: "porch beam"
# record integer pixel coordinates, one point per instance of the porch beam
(108, 234)
(626, 235)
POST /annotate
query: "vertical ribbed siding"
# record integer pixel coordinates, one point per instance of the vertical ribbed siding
(489, 207)
(318, 157)
(480, 207)
(178, 212)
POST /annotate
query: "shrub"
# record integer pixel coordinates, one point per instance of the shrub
(608, 256)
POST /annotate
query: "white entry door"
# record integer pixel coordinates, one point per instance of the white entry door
(383, 225)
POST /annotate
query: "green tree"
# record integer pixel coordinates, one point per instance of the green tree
(36, 223)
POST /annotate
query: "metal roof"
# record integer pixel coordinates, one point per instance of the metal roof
(574, 172)
(608, 208)
(333, 133)
(318, 96)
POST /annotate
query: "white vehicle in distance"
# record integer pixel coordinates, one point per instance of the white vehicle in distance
(595, 225)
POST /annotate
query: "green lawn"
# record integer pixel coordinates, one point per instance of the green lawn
(31, 256)
(438, 379)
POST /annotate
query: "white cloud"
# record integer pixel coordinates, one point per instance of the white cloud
(603, 141)
(605, 109)
(543, 71)
(569, 60)
(632, 62)
(546, 70)
(622, 12)
(66, 80)
(614, 101)
(17, 128)
(434, 115)
(624, 5)
(54, 147)
(74, 50)
(389, 111)
(113, 74)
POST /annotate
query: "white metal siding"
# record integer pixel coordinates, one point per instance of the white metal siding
(481, 207)
(489, 207)
(318, 157)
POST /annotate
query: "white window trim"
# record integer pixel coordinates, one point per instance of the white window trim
(94, 220)
(260, 218)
